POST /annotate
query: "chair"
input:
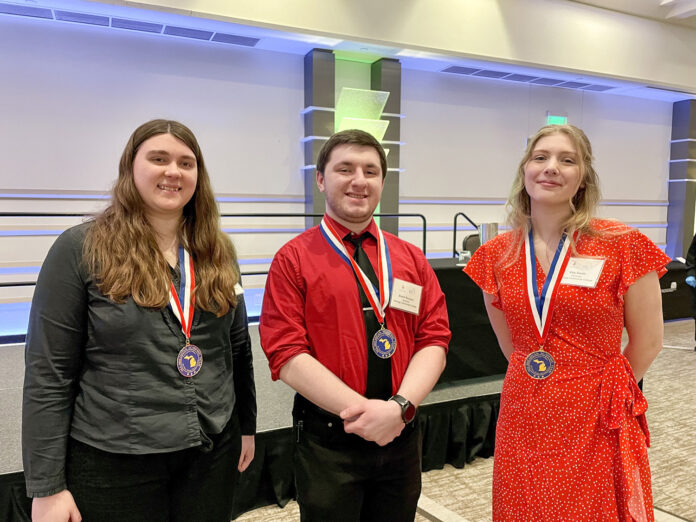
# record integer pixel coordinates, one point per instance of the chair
(471, 242)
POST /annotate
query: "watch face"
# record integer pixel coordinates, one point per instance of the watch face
(409, 412)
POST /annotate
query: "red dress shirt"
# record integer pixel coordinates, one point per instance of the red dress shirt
(311, 305)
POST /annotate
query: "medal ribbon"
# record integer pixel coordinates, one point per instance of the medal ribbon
(541, 305)
(182, 304)
(378, 297)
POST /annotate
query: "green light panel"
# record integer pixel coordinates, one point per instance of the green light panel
(375, 127)
(363, 108)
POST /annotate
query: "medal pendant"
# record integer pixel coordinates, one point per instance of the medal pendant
(189, 360)
(384, 343)
(539, 364)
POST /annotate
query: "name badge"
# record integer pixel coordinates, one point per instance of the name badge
(406, 296)
(583, 271)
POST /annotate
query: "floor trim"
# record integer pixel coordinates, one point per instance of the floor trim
(437, 513)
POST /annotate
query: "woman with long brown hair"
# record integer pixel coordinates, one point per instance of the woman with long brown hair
(571, 439)
(139, 398)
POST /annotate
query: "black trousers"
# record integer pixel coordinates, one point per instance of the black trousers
(341, 477)
(192, 485)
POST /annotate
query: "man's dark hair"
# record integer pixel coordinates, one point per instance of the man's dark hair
(351, 137)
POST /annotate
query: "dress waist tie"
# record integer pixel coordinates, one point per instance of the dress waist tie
(620, 399)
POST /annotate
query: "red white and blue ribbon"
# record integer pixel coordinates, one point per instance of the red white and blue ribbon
(378, 297)
(541, 305)
(183, 304)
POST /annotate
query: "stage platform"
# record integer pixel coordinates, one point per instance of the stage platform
(457, 419)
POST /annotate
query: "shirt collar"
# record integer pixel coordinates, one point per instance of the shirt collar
(343, 231)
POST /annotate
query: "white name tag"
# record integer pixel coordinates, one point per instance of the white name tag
(583, 271)
(406, 296)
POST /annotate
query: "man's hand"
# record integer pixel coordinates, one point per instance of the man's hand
(60, 507)
(691, 281)
(375, 420)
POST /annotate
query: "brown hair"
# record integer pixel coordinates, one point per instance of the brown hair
(351, 137)
(120, 247)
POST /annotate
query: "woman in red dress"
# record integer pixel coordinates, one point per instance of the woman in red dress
(571, 440)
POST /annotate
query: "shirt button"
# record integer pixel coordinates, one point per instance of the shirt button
(330, 424)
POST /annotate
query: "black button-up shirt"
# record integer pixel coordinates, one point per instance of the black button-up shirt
(105, 373)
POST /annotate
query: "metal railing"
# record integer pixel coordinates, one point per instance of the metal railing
(455, 253)
(223, 215)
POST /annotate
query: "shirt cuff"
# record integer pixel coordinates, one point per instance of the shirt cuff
(45, 488)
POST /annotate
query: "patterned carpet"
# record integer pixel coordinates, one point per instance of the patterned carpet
(670, 387)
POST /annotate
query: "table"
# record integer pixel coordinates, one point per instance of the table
(677, 296)
(474, 350)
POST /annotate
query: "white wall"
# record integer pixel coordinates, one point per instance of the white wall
(465, 135)
(71, 95)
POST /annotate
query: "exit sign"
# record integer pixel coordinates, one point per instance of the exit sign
(552, 119)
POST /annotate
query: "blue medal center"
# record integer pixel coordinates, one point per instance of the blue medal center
(384, 343)
(189, 361)
(539, 364)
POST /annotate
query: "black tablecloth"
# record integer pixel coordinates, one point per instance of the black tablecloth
(473, 350)
(677, 296)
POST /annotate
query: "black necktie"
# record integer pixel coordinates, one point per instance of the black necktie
(379, 383)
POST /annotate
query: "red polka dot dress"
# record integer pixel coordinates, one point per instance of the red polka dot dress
(573, 446)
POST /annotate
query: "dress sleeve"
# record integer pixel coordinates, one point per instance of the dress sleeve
(282, 327)
(55, 341)
(243, 365)
(639, 256)
(481, 269)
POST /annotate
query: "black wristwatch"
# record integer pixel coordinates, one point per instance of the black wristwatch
(408, 410)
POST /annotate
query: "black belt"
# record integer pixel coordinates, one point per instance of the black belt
(328, 428)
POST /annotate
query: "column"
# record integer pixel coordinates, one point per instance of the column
(682, 179)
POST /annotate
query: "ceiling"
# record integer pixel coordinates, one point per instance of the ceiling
(111, 16)
(680, 12)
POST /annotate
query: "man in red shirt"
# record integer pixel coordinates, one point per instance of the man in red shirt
(354, 320)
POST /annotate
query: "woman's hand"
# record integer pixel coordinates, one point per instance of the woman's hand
(247, 454)
(60, 507)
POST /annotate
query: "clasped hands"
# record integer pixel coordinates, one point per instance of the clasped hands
(374, 420)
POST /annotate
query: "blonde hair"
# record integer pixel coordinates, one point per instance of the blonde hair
(583, 204)
(120, 247)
